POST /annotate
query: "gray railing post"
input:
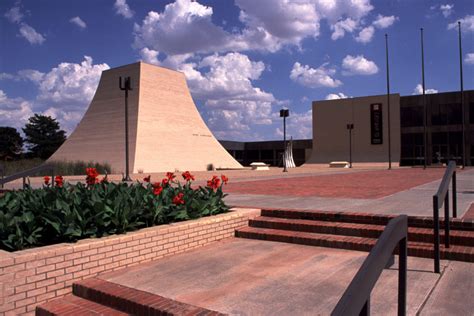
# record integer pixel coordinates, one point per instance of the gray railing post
(446, 220)
(455, 202)
(402, 277)
(436, 233)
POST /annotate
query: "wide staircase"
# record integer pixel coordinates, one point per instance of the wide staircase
(99, 297)
(357, 231)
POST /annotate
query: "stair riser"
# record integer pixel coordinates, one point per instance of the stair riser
(413, 221)
(412, 251)
(348, 231)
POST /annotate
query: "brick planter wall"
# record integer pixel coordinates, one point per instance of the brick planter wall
(34, 276)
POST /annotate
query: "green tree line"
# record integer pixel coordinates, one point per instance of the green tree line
(42, 137)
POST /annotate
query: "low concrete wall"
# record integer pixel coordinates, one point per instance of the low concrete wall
(34, 276)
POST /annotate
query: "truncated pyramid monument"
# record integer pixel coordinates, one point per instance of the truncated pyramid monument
(166, 132)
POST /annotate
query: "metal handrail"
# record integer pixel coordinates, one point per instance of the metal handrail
(442, 197)
(356, 298)
(2, 175)
(27, 173)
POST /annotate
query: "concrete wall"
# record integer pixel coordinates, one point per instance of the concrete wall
(166, 132)
(331, 137)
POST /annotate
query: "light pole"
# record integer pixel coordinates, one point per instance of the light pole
(425, 136)
(284, 113)
(350, 127)
(125, 85)
(462, 100)
(388, 105)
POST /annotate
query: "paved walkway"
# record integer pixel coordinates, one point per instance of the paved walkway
(409, 198)
(252, 277)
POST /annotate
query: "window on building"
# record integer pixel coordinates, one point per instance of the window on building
(411, 116)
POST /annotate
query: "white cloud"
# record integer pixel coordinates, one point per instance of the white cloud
(149, 56)
(340, 28)
(366, 35)
(14, 15)
(469, 59)
(30, 34)
(6, 76)
(358, 65)
(446, 9)
(467, 24)
(79, 22)
(382, 22)
(14, 112)
(314, 78)
(336, 96)
(122, 8)
(419, 90)
(333, 10)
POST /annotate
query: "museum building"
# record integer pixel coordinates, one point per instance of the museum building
(358, 127)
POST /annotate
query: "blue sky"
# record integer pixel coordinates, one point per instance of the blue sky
(244, 60)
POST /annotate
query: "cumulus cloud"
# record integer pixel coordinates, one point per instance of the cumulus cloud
(446, 9)
(336, 96)
(469, 59)
(149, 56)
(382, 22)
(314, 78)
(358, 65)
(467, 24)
(365, 35)
(14, 112)
(419, 90)
(298, 126)
(122, 8)
(14, 15)
(79, 22)
(64, 92)
(340, 28)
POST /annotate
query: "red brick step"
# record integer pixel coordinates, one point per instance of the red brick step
(416, 249)
(464, 238)
(73, 305)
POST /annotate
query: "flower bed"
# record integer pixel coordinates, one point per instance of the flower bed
(61, 212)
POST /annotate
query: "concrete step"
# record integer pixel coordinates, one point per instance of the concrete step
(133, 301)
(464, 238)
(367, 218)
(416, 249)
(72, 305)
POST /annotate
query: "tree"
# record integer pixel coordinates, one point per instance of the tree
(43, 136)
(11, 143)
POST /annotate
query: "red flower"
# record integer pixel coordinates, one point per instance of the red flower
(224, 179)
(178, 199)
(165, 182)
(46, 180)
(170, 176)
(59, 181)
(157, 188)
(187, 176)
(147, 179)
(92, 176)
(214, 182)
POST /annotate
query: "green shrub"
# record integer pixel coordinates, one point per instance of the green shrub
(65, 168)
(66, 213)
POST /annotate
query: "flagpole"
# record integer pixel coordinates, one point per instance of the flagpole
(462, 100)
(424, 99)
(388, 104)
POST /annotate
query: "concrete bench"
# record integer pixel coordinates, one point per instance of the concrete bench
(259, 166)
(339, 164)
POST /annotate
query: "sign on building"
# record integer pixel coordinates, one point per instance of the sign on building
(376, 124)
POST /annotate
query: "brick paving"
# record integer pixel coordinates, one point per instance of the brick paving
(470, 213)
(357, 185)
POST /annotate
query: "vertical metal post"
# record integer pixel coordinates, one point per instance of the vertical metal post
(365, 309)
(388, 105)
(52, 178)
(284, 144)
(24, 183)
(446, 220)
(350, 147)
(462, 100)
(436, 234)
(424, 100)
(126, 86)
(455, 201)
(402, 277)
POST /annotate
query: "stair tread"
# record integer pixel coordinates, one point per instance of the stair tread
(378, 227)
(345, 238)
(73, 305)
